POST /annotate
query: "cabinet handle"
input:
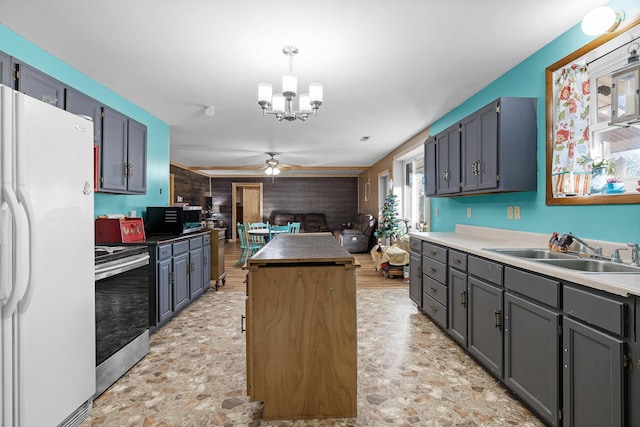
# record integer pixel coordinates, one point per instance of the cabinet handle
(130, 170)
(498, 318)
(434, 290)
(433, 309)
(242, 328)
(433, 270)
(458, 260)
(463, 298)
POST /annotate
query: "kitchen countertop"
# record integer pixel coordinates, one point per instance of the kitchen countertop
(477, 241)
(159, 239)
(302, 248)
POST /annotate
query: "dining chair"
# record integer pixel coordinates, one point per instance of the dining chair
(276, 230)
(294, 227)
(247, 248)
(256, 239)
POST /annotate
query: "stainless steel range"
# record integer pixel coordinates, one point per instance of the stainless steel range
(122, 311)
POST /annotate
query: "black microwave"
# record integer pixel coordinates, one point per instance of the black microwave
(173, 219)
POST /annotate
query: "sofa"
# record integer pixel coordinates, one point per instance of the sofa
(357, 236)
(309, 222)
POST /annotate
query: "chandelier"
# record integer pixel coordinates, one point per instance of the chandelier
(282, 104)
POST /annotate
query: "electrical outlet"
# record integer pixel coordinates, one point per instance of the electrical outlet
(516, 212)
(437, 211)
(509, 212)
(468, 212)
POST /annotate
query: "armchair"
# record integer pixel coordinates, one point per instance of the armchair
(357, 238)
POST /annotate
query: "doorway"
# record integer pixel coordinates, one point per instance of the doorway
(246, 201)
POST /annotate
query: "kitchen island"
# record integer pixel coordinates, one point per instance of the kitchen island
(301, 328)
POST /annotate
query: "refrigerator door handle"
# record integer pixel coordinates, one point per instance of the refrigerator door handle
(21, 253)
(25, 298)
(5, 253)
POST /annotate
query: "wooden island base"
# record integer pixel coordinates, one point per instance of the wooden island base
(301, 329)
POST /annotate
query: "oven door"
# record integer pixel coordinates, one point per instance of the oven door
(122, 303)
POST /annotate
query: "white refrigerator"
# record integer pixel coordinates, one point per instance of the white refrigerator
(47, 295)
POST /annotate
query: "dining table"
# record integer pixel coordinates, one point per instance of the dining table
(268, 234)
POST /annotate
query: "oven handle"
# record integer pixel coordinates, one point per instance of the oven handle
(129, 264)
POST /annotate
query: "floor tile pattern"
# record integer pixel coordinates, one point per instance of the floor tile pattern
(409, 374)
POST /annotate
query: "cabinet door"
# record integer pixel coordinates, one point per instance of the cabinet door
(163, 277)
(531, 355)
(114, 151)
(448, 160)
(206, 268)
(430, 168)
(593, 377)
(137, 157)
(40, 86)
(180, 281)
(487, 120)
(458, 297)
(6, 71)
(415, 278)
(470, 153)
(485, 324)
(78, 103)
(195, 272)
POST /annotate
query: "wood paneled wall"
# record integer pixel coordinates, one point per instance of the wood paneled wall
(336, 197)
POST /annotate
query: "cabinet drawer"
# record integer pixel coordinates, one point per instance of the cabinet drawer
(434, 269)
(434, 309)
(533, 286)
(435, 290)
(435, 252)
(458, 260)
(180, 247)
(164, 252)
(415, 245)
(195, 243)
(595, 309)
(485, 269)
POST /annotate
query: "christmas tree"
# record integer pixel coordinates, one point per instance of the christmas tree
(389, 224)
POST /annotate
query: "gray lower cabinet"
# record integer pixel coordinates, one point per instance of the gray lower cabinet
(434, 283)
(531, 355)
(181, 268)
(196, 267)
(206, 259)
(458, 305)
(415, 278)
(593, 377)
(484, 332)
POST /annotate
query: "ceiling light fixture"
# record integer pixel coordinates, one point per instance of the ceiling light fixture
(282, 104)
(602, 20)
(272, 165)
(209, 111)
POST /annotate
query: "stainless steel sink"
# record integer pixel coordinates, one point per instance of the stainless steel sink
(591, 265)
(534, 253)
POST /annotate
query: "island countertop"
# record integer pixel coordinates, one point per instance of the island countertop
(302, 248)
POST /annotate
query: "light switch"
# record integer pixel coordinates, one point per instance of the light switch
(468, 212)
(516, 212)
(509, 212)
(437, 211)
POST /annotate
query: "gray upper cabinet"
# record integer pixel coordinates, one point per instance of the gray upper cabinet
(137, 157)
(39, 85)
(79, 103)
(123, 154)
(6, 75)
(495, 152)
(448, 161)
(430, 171)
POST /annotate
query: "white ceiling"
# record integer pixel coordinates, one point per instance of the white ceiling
(389, 68)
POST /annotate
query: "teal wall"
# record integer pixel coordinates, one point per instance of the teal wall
(620, 223)
(157, 130)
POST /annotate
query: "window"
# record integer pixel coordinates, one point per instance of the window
(414, 206)
(590, 161)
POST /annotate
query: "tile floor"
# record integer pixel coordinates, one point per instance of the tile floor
(409, 373)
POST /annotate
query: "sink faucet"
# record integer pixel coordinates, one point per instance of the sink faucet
(635, 248)
(597, 251)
